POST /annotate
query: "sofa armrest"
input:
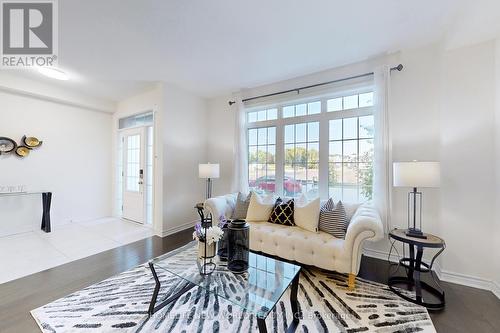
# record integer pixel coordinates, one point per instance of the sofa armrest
(366, 224)
(222, 205)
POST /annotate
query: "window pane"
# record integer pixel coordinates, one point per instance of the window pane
(335, 192)
(366, 127)
(262, 136)
(335, 174)
(252, 137)
(252, 154)
(313, 131)
(288, 111)
(366, 99)
(289, 133)
(350, 102)
(366, 150)
(300, 132)
(300, 110)
(300, 153)
(262, 115)
(314, 108)
(312, 183)
(252, 117)
(334, 104)
(289, 153)
(350, 193)
(271, 135)
(252, 173)
(350, 151)
(336, 129)
(271, 153)
(350, 130)
(261, 154)
(272, 114)
(350, 174)
(366, 181)
(336, 151)
(313, 152)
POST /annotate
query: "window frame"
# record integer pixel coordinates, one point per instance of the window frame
(323, 118)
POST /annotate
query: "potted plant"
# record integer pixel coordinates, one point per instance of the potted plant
(207, 239)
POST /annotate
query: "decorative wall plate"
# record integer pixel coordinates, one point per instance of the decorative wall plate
(7, 145)
(31, 141)
(22, 151)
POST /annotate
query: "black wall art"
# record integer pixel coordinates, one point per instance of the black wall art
(23, 149)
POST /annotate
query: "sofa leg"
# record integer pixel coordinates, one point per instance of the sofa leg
(352, 281)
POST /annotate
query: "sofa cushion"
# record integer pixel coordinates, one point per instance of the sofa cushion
(294, 243)
(333, 219)
(283, 213)
(306, 214)
(260, 208)
(241, 207)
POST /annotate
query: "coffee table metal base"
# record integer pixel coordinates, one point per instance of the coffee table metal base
(152, 305)
(261, 322)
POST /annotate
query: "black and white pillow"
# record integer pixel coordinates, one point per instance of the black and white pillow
(282, 213)
(333, 219)
(241, 208)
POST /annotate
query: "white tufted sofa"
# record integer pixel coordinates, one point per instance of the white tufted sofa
(318, 249)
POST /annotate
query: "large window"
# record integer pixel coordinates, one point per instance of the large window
(318, 147)
(262, 159)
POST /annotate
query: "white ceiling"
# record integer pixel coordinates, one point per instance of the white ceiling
(218, 46)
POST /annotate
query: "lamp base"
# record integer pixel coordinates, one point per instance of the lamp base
(415, 233)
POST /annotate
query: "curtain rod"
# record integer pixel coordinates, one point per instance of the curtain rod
(399, 68)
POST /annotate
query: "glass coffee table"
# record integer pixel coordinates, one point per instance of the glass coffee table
(256, 291)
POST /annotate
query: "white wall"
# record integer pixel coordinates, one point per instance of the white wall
(468, 160)
(221, 124)
(74, 161)
(442, 108)
(496, 240)
(184, 133)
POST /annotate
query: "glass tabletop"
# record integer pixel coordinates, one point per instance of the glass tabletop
(256, 291)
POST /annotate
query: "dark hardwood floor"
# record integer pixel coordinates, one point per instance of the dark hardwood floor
(467, 309)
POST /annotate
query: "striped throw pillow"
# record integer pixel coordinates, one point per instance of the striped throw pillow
(241, 208)
(333, 219)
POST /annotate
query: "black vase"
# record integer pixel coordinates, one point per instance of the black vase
(222, 244)
(238, 246)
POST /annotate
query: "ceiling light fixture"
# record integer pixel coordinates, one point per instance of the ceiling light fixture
(53, 73)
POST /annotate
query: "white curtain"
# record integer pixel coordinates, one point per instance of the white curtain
(240, 167)
(382, 182)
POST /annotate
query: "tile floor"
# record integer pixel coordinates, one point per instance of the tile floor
(31, 252)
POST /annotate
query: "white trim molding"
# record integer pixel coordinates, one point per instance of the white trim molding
(444, 275)
(182, 227)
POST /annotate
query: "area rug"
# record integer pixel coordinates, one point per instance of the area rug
(120, 303)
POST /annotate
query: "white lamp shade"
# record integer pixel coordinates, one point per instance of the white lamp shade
(208, 170)
(416, 174)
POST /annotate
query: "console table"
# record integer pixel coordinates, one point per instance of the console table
(46, 202)
(415, 266)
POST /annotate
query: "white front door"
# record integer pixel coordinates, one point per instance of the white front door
(134, 147)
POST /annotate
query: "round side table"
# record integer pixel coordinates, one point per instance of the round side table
(414, 267)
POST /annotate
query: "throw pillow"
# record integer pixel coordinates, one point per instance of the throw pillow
(306, 215)
(241, 208)
(282, 213)
(260, 208)
(333, 219)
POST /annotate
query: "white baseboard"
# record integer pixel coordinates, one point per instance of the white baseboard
(447, 276)
(178, 228)
(496, 288)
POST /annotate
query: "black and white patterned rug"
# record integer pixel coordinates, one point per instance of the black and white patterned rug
(120, 303)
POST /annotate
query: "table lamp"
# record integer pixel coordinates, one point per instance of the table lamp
(415, 174)
(208, 171)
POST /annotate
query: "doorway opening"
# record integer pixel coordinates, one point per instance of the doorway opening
(134, 171)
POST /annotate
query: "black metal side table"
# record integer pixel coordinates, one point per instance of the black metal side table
(414, 267)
